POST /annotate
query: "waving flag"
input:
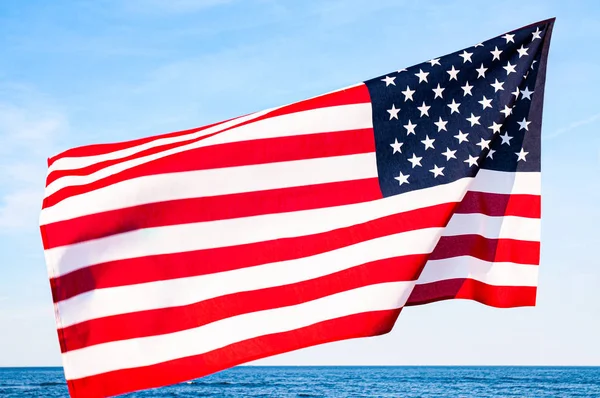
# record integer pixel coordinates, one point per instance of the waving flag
(176, 256)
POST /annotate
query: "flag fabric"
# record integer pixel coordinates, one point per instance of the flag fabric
(176, 256)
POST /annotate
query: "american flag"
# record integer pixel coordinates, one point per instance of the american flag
(176, 256)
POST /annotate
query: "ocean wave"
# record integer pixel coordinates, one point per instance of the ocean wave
(51, 384)
(223, 383)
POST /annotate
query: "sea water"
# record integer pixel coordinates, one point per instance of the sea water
(342, 382)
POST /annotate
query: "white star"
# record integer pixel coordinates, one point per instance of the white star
(506, 138)
(422, 76)
(388, 80)
(474, 120)
(438, 91)
(449, 154)
(402, 179)
(481, 71)
(437, 171)
(424, 109)
(428, 142)
(524, 125)
(461, 136)
(509, 38)
(496, 53)
(510, 68)
(484, 144)
(516, 93)
(454, 106)
(453, 73)
(408, 93)
(522, 51)
(441, 124)
(495, 127)
(532, 63)
(393, 112)
(415, 160)
(526, 94)
(467, 89)
(536, 34)
(397, 146)
(497, 85)
(435, 61)
(410, 128)
(466, 56)
(485, 103)
(521, 155)
(478, 45)
(507, 110)
(472, 160)
(401, 70)
(491, 154)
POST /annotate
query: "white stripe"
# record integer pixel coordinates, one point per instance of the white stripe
(213, 182)
(156, 349)
(71, 163)
(502, 227)
(238, 231)
(140, 297)
(321, 120)
(231, 180)
(491, 273)
(519, 183)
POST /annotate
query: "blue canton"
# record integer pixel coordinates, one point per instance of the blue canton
(446, 118)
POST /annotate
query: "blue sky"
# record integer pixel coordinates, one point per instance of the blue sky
(81, 72)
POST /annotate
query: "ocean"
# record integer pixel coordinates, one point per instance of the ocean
(357, 381)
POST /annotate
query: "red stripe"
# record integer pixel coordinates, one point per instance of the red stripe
(492, 250)
(214, 156)
(354, 95)
(244, 153)
(174, 319)
(493, 204)
(100, 149)
(201, 262)
(211, 208)
(84, 171)
(176, 371)
(470, 289)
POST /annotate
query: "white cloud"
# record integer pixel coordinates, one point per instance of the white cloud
(572, 126)
(30, 129)
(20, 208)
